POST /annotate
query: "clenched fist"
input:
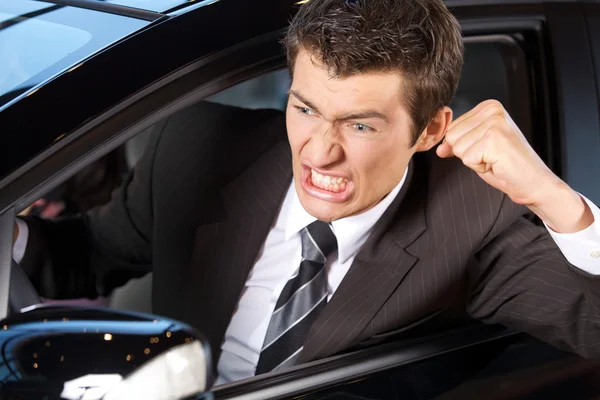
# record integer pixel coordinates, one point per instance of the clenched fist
(488, 141)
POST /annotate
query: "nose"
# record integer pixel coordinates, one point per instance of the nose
(326, 148)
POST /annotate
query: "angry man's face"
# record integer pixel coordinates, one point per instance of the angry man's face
(350, 138)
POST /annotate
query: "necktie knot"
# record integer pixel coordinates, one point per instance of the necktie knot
(318, 241)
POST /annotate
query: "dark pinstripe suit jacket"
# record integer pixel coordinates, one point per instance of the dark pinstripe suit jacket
(202, 199)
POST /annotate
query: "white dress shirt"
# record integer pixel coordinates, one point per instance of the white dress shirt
(280, 257)
(582, 249)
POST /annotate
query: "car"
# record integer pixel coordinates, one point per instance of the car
(82, 78)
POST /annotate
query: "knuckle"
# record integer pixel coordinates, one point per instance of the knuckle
(494, 125)
(497, 120)
(493, 107)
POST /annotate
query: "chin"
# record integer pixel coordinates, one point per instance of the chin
(323, 210)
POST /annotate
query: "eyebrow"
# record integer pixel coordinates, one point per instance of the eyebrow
(302, 99)
(364, 115)
(357, 115)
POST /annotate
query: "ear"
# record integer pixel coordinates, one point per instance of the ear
(435, 130)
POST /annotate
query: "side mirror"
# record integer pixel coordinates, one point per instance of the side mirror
(60, 352)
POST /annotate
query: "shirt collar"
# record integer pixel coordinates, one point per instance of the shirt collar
(351, 232)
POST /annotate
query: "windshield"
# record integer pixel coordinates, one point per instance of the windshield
(39, 40)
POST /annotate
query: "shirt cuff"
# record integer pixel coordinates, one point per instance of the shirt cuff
(582, 249)
(21, 242)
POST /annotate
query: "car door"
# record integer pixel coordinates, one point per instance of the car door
(516, 43)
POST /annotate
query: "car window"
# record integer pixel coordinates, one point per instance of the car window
(37, 41)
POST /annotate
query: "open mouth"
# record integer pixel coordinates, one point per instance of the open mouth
(333, 188)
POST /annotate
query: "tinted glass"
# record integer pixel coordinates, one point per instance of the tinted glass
(38, 41)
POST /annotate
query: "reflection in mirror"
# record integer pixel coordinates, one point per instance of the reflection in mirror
(57, 352)
(176, 374)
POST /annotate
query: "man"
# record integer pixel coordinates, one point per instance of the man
(283, 251)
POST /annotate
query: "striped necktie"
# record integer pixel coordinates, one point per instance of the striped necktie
(300, 302)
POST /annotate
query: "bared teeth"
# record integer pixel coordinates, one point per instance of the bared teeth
(330, 183)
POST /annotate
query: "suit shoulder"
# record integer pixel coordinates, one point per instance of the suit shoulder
(217, 138)
(459, 189)
(205, 124)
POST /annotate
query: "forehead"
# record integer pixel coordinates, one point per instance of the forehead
(318, 85)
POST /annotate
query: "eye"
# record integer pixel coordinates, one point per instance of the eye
(362, 128)
(304, 110)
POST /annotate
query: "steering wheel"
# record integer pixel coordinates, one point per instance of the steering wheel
(21, 292)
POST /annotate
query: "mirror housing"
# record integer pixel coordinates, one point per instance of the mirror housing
(95, 353)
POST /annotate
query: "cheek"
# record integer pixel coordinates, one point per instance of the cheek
(379, 165)
(368, 157)
(298, 132)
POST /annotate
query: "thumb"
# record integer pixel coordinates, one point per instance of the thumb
(444, 150)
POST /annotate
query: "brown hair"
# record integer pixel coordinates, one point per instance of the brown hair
(418, 38)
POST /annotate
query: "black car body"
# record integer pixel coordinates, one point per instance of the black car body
(140, 65)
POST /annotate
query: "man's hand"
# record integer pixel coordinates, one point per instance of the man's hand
(488, 141)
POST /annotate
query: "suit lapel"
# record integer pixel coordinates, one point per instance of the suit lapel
(225, 250)
(377, 270)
